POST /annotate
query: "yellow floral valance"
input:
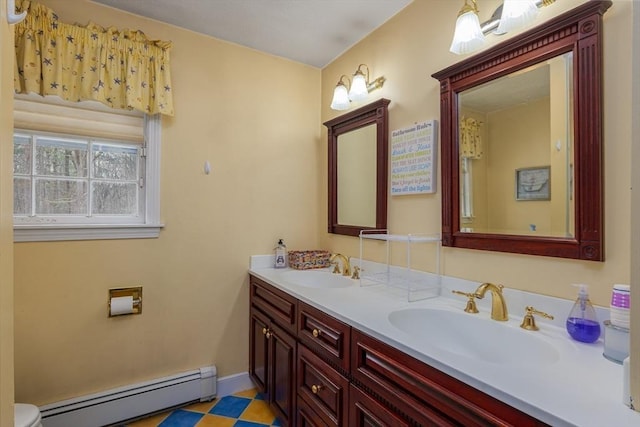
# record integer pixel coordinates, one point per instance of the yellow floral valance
(470, 139)
(122, 69)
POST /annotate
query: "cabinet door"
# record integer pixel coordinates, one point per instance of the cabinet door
(366, 412)
(282, 375)
(258, 350)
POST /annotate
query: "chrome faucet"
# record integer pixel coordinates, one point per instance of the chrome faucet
(346, 267)
(498, 304)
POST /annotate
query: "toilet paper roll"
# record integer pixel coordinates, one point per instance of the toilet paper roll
(121, 305)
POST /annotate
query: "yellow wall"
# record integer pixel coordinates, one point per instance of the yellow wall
(518, 136)
(6, 222)
(412, 46)
(256, 118)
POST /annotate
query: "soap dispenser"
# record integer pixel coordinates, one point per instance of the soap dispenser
(582, 323)
(281, 255)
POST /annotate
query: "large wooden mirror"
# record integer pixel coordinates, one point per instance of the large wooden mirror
(522, 147)
(358, 156)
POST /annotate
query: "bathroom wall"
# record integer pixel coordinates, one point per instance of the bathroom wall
(6, 222)
(256, 118)
(511, 141)
(413, 45)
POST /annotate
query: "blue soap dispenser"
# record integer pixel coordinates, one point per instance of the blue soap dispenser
(582, 323)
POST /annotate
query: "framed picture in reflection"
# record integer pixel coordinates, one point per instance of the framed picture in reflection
(533, 183)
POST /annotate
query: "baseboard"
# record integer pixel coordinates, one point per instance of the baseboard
(234, 383)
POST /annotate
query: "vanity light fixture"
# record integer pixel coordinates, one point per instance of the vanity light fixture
(516, 14)
(359, 88)
(468, 35)
(341, 95)
(511, 15)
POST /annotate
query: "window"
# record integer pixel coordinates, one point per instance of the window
(79, 184)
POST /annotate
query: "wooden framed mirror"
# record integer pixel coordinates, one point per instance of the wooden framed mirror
(528, 181)
(358, 157)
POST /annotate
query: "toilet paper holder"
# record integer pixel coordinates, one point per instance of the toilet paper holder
(134, 292)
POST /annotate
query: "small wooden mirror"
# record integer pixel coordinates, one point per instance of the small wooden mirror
(529, 183)
(358, 156)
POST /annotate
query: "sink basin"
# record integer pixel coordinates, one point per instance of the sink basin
(470, 336)
(317, 279)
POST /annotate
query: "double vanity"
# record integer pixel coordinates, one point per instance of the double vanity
(328, 351)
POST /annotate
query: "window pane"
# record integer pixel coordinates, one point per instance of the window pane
(58, 157)
(21, 196)
(112, 161)
(61, 197)
(110, 198)
(21, 154)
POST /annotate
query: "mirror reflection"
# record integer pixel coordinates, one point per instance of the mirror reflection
(516, 152)
(357, 177)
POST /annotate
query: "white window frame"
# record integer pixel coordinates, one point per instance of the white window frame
(149, 228)
(466, 190)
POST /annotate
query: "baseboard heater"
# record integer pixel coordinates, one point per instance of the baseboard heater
(135, 400)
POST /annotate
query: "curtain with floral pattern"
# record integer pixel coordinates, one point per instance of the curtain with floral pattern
(120, 68)
(470, 139)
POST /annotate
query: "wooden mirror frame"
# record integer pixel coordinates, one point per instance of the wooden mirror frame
(374, 113)
(578, 31)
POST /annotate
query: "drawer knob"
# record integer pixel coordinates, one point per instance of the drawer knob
(264, 331)
(315, 388)
(316, 333)
(268, 334)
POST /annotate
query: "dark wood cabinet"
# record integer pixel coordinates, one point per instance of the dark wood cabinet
(317, 371)
(328, 337)
(364, 411)
(323, 388)
(424, 394)
(273, 348)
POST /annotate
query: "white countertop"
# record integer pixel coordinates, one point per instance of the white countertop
(581, 388)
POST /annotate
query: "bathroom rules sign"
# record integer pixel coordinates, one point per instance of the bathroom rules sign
(413, 159)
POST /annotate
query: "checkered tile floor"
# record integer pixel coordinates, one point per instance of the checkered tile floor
(244, 409)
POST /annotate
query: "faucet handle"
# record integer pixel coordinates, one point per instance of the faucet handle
(471, 302)
(336, 268)
(356, 272)
(529, 322)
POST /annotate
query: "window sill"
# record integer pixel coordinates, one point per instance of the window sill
(43, 233)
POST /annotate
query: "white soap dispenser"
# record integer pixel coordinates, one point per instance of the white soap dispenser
(281, 255)
(582, 323)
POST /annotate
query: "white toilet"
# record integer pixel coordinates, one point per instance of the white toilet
(26, 415)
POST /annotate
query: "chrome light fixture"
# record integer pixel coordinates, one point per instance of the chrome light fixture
(512, 14)
(357, 90)
(517, 14)
(341, 99)
(468, 35)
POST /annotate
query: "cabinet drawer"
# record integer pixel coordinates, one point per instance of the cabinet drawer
(366, 412)
(306, 417)
(278, 305)
(425, 393)
(324, 389)
(327, 336)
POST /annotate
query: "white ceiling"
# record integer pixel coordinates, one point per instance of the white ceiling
(312, 32)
